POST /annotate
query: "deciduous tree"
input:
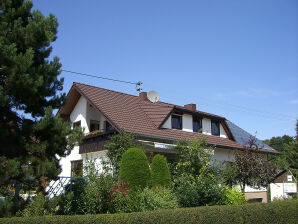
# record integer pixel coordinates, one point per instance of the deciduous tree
(250, 168)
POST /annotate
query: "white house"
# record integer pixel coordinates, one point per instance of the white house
(102, 113)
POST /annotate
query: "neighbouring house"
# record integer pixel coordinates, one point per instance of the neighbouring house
(284, 186)
(102, 113)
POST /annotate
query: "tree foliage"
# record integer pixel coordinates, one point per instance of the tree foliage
(288, 148)
(31, 137)
(196, 176)
(117, 145)
(250, 168)
(134, 168)
(160, 172)
(195, 159)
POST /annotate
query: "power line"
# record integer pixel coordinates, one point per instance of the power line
(247, 110)
(137, 84)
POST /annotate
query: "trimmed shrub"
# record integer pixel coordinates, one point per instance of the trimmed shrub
(145, 200)
(282, 212)
(233, 197)
(160, 172)
(134, 168)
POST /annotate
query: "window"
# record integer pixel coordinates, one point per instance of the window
(76, 124)
(177, 121)
(197, 124)
(94, 125)
(107, 126)
(215, 128)
(76, 168)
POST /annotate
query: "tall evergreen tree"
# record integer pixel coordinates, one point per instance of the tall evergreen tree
(30, 135)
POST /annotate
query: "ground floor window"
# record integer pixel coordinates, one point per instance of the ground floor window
(77, 168)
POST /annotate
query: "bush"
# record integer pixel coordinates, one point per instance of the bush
(6, 207)
(40, 206)
(233, 197)
(134, 168)
(160, 172)
(91, 197)
(72, 202)
(117, 145)
(98, 195)
(197, 193)
(262, 213)
(145, 200)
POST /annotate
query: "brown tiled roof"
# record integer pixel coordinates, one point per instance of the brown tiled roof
(133, 114)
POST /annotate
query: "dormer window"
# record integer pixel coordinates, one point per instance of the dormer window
(177, 121)
(94, 125)
(197, 124)
(215, 128)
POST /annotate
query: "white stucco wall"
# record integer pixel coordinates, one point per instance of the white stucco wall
(66, 162)
(93, 114)
(96, 158)
(206, 126)
(187, 123)
(79, 113)
(82, 112)
(249, 189)
(222, 155)
(168, 123)
(277, 191)
(223, 134)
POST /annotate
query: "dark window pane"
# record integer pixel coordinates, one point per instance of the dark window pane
(108, 126)
(94, 125)
(197, 124)
(215, 128)
(176, 121)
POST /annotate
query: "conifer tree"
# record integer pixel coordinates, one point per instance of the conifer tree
(30, 135)
(134, 168)
(160, 172)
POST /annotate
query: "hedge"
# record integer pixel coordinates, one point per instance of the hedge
(276, 212)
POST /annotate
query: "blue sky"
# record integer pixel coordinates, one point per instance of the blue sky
(234, 58)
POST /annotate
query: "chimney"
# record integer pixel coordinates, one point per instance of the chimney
(191, 106)
(143, 95)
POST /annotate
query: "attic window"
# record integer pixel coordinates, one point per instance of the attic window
(177, 121)
(94, 125)
(215, 128)
(76, 124)
(197, 124)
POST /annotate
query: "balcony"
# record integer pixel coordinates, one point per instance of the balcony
(95, 141)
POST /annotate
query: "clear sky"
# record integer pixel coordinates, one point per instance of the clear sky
(234, 58)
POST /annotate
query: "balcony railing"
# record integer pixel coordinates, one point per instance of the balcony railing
(62, 185)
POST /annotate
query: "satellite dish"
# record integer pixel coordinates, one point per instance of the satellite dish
(153, 96)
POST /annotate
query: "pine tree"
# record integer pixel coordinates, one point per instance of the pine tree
(30, 135)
